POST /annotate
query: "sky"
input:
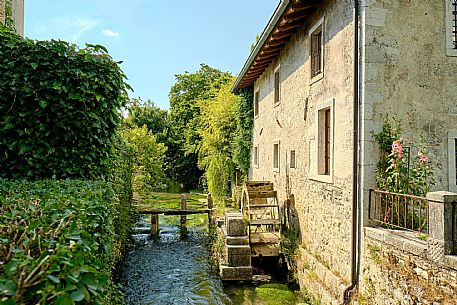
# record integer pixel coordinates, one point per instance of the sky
(155, 39)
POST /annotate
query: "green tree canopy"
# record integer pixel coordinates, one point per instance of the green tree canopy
(185, 94)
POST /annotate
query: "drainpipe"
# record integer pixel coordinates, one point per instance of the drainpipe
(355, 160)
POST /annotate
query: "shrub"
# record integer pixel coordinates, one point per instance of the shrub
(58, 242)
(148, 158)
(59, 108)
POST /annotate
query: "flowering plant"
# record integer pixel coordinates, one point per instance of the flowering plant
(396, 172)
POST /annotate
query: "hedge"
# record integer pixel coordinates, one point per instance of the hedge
(59, 108)
(59, 242)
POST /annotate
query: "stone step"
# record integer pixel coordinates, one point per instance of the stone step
(235, 273)
(237, 240)
(235, 224)
(238, 255)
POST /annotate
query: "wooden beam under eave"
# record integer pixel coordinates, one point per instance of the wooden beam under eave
(277, 42)
(269, 50)
(257, 69)
(287, 27)
(267, 56)
(278, 34)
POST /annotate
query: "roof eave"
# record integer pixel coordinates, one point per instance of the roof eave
(259, 45)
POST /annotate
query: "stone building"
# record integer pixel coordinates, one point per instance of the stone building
(324, 75)
(16, 7)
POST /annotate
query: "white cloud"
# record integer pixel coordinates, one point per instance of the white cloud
(110, 33)
(67, 28)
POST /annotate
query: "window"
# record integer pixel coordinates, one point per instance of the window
(256, 156)
(324, 142)
(277, 86)
(452, 155)
(276, 156)
(292, 159)
(451, 28)
(454, 23)
(256, 104)
(316, 52)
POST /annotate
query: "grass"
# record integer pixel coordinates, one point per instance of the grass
(173, 200)
(272, 294)
(161, 200)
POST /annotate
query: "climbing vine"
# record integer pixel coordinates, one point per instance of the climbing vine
(242, 144)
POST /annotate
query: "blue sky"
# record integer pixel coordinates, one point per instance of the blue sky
(155, 39)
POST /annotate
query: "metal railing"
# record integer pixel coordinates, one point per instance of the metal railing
(401, 211)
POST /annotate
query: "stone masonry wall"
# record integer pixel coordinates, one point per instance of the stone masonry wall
(18, 14)
(2, 11)
(397, 271)
(407, 74)
(324, 208)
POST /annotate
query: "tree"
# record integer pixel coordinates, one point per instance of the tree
(148, 114)
(217, 130)
(148, 158)
(185, 118)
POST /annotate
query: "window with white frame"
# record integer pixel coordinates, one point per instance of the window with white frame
(256, 103)
(452, 155)
(256, 156)
(322, 143)
(276, 151)
(292, 159)
(277, 87)
(451, 27)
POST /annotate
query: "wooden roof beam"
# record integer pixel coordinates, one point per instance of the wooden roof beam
(276, 42)
(290, 26)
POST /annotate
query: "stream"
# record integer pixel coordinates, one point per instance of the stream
(174, 270)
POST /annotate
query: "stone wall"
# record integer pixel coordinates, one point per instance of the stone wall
(396, 270)
(323, 205)
(18, 14)
(407, 74)
(2, 11)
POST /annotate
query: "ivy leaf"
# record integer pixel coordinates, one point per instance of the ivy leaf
(34, 65)
(53, 278)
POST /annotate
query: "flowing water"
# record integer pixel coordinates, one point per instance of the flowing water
(175, 270)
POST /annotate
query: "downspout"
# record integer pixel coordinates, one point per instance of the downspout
(355, 163)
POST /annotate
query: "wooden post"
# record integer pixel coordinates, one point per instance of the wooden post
(183, 217)
(210, 211)
(154, 225)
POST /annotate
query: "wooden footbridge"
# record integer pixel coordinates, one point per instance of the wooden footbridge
(183, 212)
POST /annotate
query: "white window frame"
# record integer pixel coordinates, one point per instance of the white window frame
(277, 70)
(450, 49)
(319, 25)
(255, 156)
(314, 169)
(276, 169)
(451, 147)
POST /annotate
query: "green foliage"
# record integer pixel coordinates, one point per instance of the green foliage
(148, 158)
(244, 117)
(148, 114)
(59, 108)
(272, 294)
(59, 242)
(185, 118)
(217, 127)
(395, 171)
